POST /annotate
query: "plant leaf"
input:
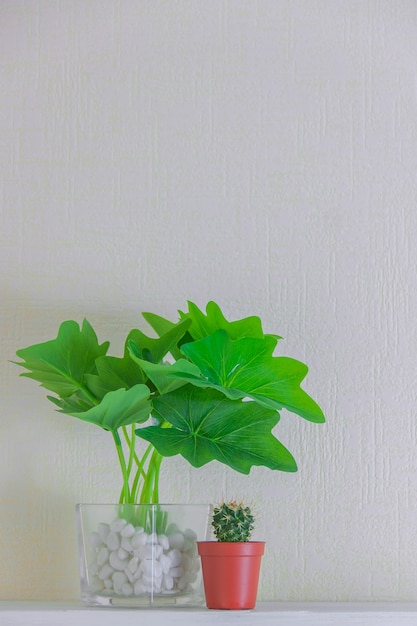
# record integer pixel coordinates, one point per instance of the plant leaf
(154, 350)
(115, 373)
(245, 367)
(165, 377)
(74, 404)
(61, 364)
(205, 325)
(207, 426)
(118, 408)
(163, 326)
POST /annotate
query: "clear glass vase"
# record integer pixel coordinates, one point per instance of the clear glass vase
(134, 555)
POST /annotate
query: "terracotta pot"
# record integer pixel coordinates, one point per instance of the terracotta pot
(231, 573)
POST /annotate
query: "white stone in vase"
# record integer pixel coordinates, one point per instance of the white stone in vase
(117, 525)
(112, 541)
(128, 531)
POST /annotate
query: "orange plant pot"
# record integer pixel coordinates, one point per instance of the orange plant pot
(231, 573)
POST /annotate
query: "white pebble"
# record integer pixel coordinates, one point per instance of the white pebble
(144, 552)
(190, 534)
(154, 584)
(102, 556)
(157, 569)
(146, 566)
(163, 542)
(156, 551)
(116, 562)
(103, 530)
(133, 564)
(139, 588)
(129, 561)
(118, 525)
(140, 552)
(129, 575)
(151, 568)
(191, 550)
(139, 539)
(126, 544)
(186, 562)
(176, 572)
(192, 577)
(165, 561)
(127, 589)
(128, 531)
(167, 582)
(172, 528)
(122, 554)
(113, 541)
(176, 540)
(183, 583)
(189, 539)
(105, 571)
(119, 579)
(175, 557)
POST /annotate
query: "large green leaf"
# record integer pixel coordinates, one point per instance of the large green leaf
(204, 325)
(165, 377)
(118, 408)
(244, 367)
(115, 373)
(207, 426)
(155, 349)
(163, 326)
(72, 404)
(61, 364)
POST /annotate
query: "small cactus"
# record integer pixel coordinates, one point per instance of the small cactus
(232, 521)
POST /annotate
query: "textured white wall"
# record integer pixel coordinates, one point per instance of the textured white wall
(261, 153)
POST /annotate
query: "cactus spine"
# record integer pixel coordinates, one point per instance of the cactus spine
(232, 521)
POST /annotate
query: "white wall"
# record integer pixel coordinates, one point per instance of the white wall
(261, 153)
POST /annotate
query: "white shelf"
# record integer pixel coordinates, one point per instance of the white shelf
(265, 614)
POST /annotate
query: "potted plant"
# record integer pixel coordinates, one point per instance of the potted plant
(231, 564)
(205, 388)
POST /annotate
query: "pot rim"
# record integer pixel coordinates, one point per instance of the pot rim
(231, 548)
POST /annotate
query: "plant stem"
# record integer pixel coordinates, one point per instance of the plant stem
(131, 445)
(158, 461)
(140, 473)
(125, 494)
(150, 488)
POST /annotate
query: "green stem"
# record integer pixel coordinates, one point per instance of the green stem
(158, 461)
(150, 488)
(118, 444)
(140, 473)
(131, 445)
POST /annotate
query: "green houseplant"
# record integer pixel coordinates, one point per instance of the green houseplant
(231, 564)
(187, 390)
(205, 388)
